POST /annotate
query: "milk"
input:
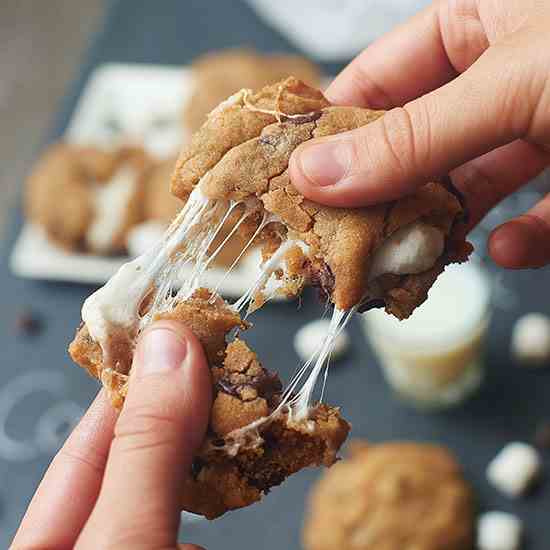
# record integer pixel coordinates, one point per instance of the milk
(434, 358)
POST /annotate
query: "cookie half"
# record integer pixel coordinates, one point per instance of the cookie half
(241, 154)
(253, 441)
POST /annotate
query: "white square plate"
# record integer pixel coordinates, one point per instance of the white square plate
(133, 99)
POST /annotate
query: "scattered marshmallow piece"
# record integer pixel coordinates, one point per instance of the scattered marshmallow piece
(144, 236)
(531, 340)
(309, 337)
(499, 531)
(514, 469)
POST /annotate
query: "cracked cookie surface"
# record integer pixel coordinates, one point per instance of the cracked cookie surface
(241, 154)
(236, 465)
(391, 496)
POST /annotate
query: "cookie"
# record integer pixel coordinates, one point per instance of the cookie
(391, 496)
(85, 198)
(241, 154)
(237, 464)
(217, 75)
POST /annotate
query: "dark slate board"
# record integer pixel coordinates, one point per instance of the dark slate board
(509, 406)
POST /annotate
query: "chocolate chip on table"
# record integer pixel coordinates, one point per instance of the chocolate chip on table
(28, 322)
(542, 435)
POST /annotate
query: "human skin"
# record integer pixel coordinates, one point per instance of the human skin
(467, 87)
(116, 481)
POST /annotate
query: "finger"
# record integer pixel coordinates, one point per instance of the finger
(523, 242)
(487, 180)
(69, 489)
(415, 58)
(159, 430)
(393, 155)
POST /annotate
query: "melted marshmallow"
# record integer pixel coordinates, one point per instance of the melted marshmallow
(412, 249)
(111, 201)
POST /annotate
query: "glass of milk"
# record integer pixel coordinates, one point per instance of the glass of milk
(435, 358)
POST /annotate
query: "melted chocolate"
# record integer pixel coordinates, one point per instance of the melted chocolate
(302, 119)
(267, 385)
(322, 278)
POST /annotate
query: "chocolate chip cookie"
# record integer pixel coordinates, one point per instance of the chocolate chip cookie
(391, 496)
(253, 442)
(241, 154)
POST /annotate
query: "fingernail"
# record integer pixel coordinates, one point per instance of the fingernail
(160, 350)
(325, 163)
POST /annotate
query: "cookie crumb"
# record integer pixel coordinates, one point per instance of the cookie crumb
(499, 531)
(29, 323)
(514, 469)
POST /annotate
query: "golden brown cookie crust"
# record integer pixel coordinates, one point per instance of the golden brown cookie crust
(247, 157)
(217, 75)
(391, 496)
(233, 468)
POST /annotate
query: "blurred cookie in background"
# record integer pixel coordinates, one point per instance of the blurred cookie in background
(393, 496)
(85, 198)
(220, 74)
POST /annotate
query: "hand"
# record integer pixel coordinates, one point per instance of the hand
(468, 85)
(116, 482)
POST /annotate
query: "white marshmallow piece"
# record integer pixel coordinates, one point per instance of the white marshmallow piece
(514, 468)
(499, 531)
(308, 340)
(412, 249)
(111, 201)
(531, 340)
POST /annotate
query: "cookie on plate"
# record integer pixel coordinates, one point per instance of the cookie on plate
(252, 444)
(86, 198)
(217, 75)
(391, 496)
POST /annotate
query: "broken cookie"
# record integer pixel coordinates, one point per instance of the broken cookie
(388, 254)
(234, 171)
(86, 198)
(254, 442)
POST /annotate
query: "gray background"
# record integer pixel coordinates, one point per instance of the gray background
(509, 407)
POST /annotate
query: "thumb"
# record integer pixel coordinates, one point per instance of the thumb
(428, 137)
(159, 430)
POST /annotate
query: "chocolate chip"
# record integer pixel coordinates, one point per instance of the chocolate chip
(228, 387)
(266, 384)
(219, 442)
(28, 323)
(302, 119)
(322, 277)
(542, 435)
(196, 467)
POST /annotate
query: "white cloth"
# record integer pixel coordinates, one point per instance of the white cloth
(331, 30)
